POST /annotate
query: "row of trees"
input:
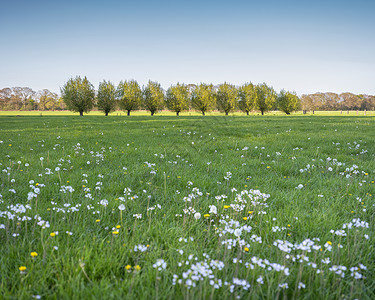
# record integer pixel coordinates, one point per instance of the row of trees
(79, 95)
(24, 98)
(332, 101)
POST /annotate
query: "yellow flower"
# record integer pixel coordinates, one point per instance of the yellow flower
(268, 167)
(250, 212)
(128, 267)
(148, 246)
(244, 218)
(22, 268)
(246, 249)
(115, 232)
(329, 242)
(226, 206)
(10, 145)
(34, 254)
(97, 220)
(52, 234)
(137, 268)
(37, 184)
(288, 225)
(118, 226)
(206, 215)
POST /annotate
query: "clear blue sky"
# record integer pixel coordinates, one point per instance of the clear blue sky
(305, 46)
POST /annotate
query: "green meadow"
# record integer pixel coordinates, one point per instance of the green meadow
(188, 207)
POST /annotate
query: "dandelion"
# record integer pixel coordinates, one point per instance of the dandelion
(128, 267)
(197, 216)
(34, 254)
(97, 220)
(22, 269)
(206, 215)
(137, 268)
(246, 249)
(52, 234)
(118, 226)
(237, 232)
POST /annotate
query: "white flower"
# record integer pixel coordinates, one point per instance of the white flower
(300, 186)
(213, 209)
(121, 207)
(237, 232)
(197, 216)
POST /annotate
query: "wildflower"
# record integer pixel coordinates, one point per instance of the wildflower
(97, 221)
(246, 249)
(22, 269)
(237, 232)
(245, 218)
(52, 234)
(115, 232)
(197, 216)
(206, 215)
(226, 206)
(128, 267)
(250, 212)
(118, 226)
(34, 254)
(137, 268)
(121, 207)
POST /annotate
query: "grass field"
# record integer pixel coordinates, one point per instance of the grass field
(189, 207)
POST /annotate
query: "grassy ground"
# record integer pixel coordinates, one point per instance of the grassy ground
(214, 207)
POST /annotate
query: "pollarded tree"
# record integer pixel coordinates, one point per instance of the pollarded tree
(288, 102)
(203, 98)
(226, 98)
(177, 98)
(78, 95)
(106, 100)
(153, 97)
(266, 98)
(129, 95)
(247, 97)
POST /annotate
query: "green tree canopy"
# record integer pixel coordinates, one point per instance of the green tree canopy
(129, 95)
(288, 102)
(177, 98)
(266, 98)
(106, 97)
(203, 98)
(226, 98)
(153, 97)
(78, 95)
(247, 97)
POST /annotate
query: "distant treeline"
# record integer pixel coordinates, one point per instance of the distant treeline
(24, 98)
(332, 101)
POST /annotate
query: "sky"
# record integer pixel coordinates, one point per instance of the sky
(301, 46)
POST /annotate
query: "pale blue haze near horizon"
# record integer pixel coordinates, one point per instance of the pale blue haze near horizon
(302, 46)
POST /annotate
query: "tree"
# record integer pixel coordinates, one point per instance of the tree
(46, 100)
(22, 95)
(153, 97)
(288, 102)
(247, 97)
(129, 95)
(266, 98)
(203, 98)
(226, 98)
(106, 98)
(177, 98)
(5, 96)
(78, 95)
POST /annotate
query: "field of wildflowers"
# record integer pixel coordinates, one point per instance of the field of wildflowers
(187, 207)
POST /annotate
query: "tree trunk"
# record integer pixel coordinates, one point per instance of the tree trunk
(203, 113)
(128, 112)
(247, 113)
(177, 113)
(81, 113)
(262, 112)
(226, 113)
(288, 113)
(152, 113)
(106, 113)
